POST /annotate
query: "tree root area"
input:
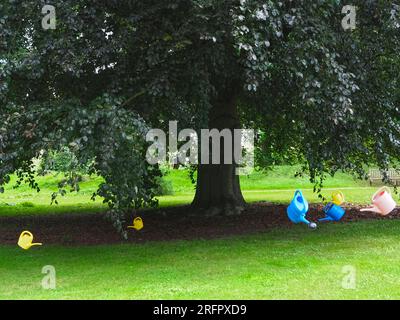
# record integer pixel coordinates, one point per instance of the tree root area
(168, 224)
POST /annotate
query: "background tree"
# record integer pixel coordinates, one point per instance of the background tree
(113, 69)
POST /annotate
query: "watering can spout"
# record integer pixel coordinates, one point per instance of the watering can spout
(36, 244)
(32, 245)
(327, 218)
(373, 209)
(304, 220)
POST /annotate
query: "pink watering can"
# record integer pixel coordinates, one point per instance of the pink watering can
(382, 202)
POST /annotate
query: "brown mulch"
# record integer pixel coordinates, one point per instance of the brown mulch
(161, 225)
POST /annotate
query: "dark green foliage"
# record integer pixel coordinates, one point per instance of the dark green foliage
(113, 69)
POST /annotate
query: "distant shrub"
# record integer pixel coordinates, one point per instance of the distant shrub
(164, 187)
(61, 161)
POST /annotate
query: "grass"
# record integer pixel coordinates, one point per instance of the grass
(277, 186)
(280, 264)
(289, 264)
(26, 201)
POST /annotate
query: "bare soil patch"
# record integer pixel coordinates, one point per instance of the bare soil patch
(168, 224)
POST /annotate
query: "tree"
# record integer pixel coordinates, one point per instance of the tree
(111, 70)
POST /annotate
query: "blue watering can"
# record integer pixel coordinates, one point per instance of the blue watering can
(298, 209)
(333, 212)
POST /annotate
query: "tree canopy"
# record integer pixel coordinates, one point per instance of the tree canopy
(111, 70)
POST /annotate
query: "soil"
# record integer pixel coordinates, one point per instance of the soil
(161, 225)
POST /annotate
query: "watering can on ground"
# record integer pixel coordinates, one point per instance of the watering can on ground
(337, 198)
(25, 240)
(382, 202)
(333, 212)
(298, 209)
(137, 224)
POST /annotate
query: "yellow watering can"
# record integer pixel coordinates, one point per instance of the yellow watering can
(137, 224)
(25, 240)
(337, 198)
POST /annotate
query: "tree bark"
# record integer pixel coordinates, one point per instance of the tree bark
(218, 186)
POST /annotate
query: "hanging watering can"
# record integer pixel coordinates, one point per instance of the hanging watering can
(298, 209)
(382, 202)
(137, 224)
(333, 212)
(337, 198)
(25, 240)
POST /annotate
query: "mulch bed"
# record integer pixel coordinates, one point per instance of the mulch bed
(161, 225)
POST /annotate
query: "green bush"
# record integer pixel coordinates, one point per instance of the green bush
(61, 161)
(164, 188)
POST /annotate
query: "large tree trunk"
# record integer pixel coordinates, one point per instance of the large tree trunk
(218, 187)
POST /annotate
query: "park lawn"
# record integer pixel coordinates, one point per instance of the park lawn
(39, 204)
(354, 195)
(277, 186)
(293, 263)
(27, 201)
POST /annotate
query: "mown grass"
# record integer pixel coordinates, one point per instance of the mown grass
(293, 263)
(277, 186)
(27, 201)
(282, 264)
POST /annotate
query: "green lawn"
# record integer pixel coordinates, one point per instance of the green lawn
(274, 186)
(24, 200)
(293, 264)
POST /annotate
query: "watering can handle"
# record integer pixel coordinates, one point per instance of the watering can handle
(328, 207)
(384, 188)
(28, 233)
(298, 192)
(137, 219)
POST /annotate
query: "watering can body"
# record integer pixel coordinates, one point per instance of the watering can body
(25, 240)
(382, 202)
(333, 212)
(137, 224)
(298, 209)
